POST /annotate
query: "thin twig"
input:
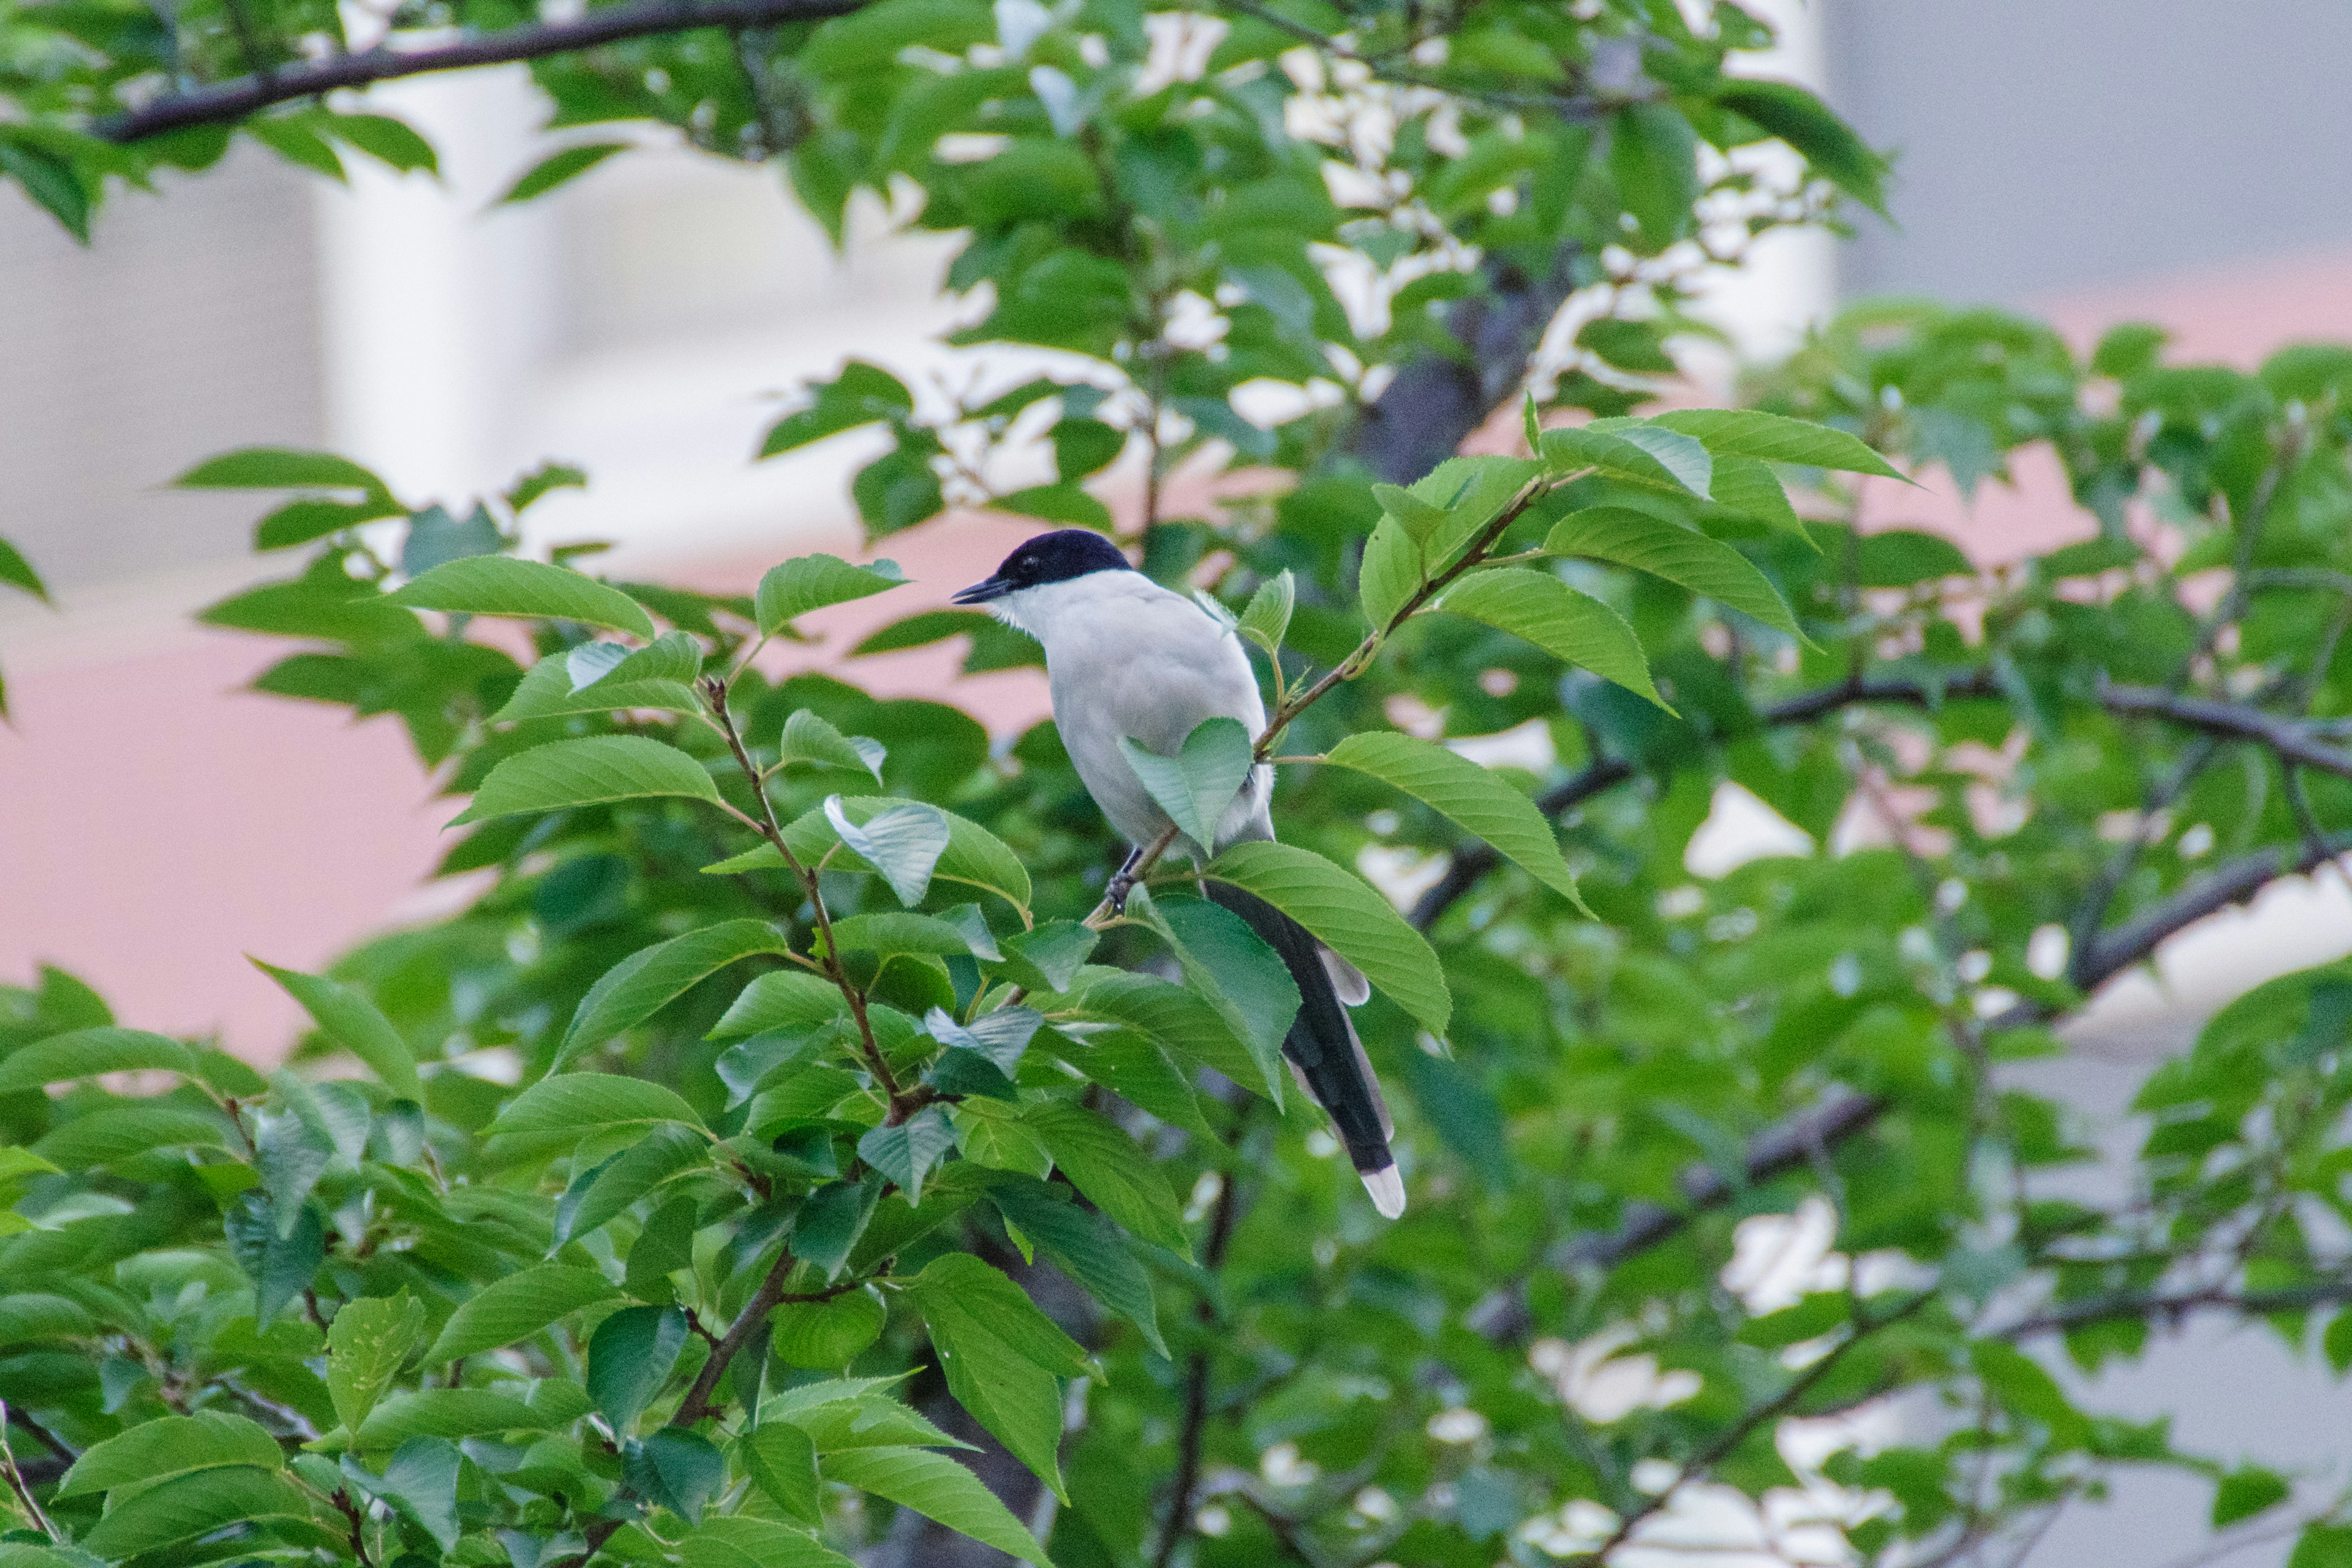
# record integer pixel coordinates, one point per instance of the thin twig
(18, 1484)
(2290, 741)
(697, 1404)
(225, 102)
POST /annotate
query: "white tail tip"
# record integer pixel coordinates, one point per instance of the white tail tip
(1387, 1189)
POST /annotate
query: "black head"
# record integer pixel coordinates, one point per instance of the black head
(1054, 557)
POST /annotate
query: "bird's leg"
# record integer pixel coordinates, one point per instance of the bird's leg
(1123, 882)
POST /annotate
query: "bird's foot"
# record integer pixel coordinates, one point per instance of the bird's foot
(1120, 886)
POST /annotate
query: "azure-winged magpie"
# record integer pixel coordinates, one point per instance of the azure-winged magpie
(1124, 656)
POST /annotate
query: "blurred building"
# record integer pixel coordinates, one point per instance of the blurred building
(2096, 161)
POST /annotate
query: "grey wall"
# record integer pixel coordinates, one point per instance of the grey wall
(189, 327)
(2049, 145)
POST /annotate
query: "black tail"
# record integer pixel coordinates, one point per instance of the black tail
(1323, 1046)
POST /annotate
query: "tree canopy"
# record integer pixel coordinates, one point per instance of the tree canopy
(787, 1157)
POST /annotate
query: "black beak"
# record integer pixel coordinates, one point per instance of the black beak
(982, 592)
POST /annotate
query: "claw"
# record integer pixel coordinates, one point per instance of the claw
(1122, 883)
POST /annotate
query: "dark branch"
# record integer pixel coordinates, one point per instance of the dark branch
(2172, 1308)
(224, 102)
(2292, 740)
(698, 1402)
(2235, 883)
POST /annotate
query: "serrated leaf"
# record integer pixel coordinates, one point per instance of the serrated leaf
(831, 1222)
(1225, 963)
(789, 999)
(939, 1489)
(1567, 624)
(193, 1505)
(1392, 569)
(974, 856)
(903, 842)
(503, 585)
(420, 1482)
(1572, 448)
(1684, 457)
(1197, 786)
(813, 581)
(517, 1307)
(1417, 517)
(630, 1357)
(125, 1131)
(830, 1333)
(354, 1023)
(557, 169)
(598, 1195)
(1746, 487)
(1775, 438)
(1796, 116)
(737, 1541)
(906, 1152)
(1681, 555)
(781, 1462)
(574, 1105)
(678, 1468)
(1347, 917)
(812, 739)
(588, 772)
(1085, 1247)
(1265, 621)
(647, 981)
(281, 1265)
(1177, 1018)
(546, 691)
(171, 1446)
(947, 935)
(1469, 795)
(281, 468)
(1001, 1356)
(1117, 1177)
(91, 1053)
(1047, 958)
(366, 1345)
(451, 1413)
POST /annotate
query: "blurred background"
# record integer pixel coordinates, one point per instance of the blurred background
(2091, 161)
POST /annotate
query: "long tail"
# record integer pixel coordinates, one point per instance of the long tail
(1323, 1046)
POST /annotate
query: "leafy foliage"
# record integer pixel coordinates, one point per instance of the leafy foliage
(748, 1150)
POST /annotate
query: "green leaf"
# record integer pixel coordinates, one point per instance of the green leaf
(906, 1152)
(17, 573)
(1681, 555)
(503, 585)
(1347, 917)
(421, 1481)
(1573, 448)
(1394, 567)
(125, 1131)
(1417, 517)
(1469, 795)
(903, 842)
(546, 691)
(1180, 1020)
(598, 1195)
(678, 1470)
(300, 521)
(575, 1104)
(781, 1462)
(366, 1345)
(589, 771)
(1196, 787)
(171, 1446)
(1267, 619)
(451, 1413)
(282, 467)
(860, 394)
(738, 1542)
(943, 934)
(89, 1053)
(2322, 1546)
(831, 1222)
(830, 1333)
(1117, 1177)
(291, 1154)
(974, 856)
(558, 168)
(2246, 1492)
(389, 141)
(1746, 487)
(789, 999)
(193, 1505)
(937, 1487)
(1654, 154)
(281, 1264)
(517, 1307)
(650, 979)
(1049, 957)
(353, 1022)
(1083, 1245)
(813, 583)
(1064, 503)
(630, 1357)
(1794, 115)
(1565, 623)
(1224, 962)
(49, 180)
(1001, 1356)
(1774, 437)
(812, 739)
(1684, 457)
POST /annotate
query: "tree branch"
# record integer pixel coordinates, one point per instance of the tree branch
(2176, 1306)
(2292, 740)
(2235, 883)
(225, 102)
(697, 1404)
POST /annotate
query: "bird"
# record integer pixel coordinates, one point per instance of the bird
(1126, 657)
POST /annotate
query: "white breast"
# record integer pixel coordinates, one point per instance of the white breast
(1125, 657)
